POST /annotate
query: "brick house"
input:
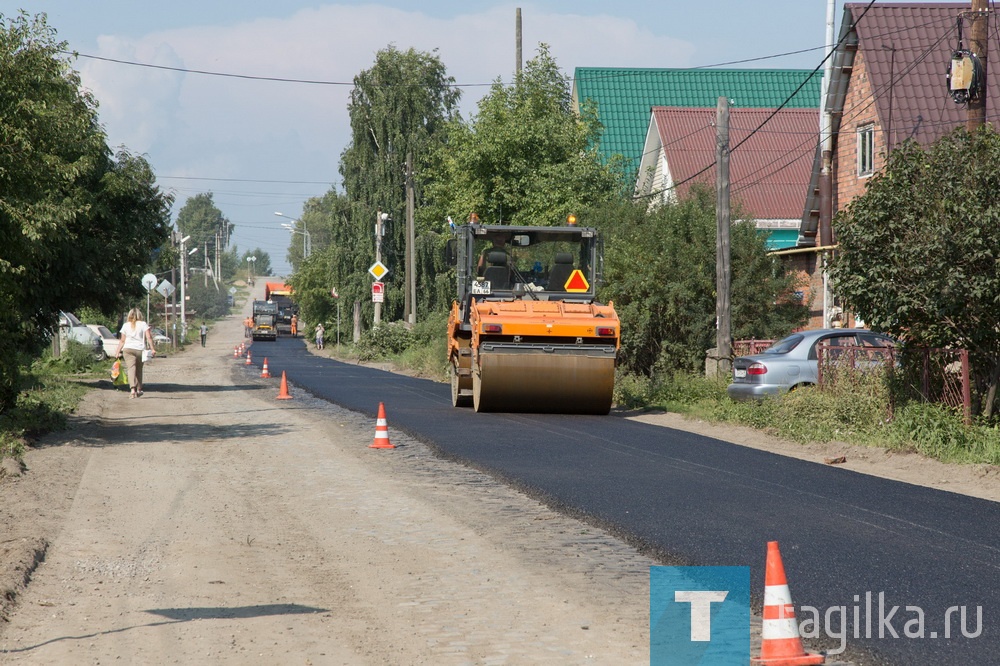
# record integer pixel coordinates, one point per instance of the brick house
(888, 85)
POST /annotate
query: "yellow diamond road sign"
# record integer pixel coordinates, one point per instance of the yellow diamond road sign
(378, 270)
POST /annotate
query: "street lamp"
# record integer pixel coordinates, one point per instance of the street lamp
(184, 255)
(250, 261)
(306, 240)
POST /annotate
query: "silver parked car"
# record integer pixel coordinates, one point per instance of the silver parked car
(793, 361)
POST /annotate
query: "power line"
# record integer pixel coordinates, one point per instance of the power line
(248, 180)
(249, 77)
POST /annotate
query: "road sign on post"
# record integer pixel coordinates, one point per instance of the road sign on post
(378, 270)
(148, 281)
(378, 292)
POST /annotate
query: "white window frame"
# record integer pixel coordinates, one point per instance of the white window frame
(866, 150)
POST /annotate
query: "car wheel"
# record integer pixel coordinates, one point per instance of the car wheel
(100, 356)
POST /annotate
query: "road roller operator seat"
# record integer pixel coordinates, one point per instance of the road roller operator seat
(561, 270)
(497, 272)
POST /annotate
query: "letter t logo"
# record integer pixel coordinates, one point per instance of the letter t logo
(701, 610)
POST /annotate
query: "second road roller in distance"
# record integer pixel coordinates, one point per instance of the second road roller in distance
(526, 333)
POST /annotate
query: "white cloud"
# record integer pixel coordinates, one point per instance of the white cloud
(195, 125)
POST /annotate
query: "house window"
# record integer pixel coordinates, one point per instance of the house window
(866, 150)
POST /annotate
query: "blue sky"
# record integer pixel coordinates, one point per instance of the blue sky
(265, 146)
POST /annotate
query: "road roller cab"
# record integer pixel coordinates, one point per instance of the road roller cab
(526, 333)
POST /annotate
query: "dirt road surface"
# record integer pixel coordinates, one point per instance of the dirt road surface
(209, 523)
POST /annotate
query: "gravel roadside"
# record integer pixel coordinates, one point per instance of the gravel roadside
(208, 522)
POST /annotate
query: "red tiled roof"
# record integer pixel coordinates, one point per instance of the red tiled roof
(768, 174)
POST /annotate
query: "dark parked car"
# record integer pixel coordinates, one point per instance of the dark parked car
(793, 361)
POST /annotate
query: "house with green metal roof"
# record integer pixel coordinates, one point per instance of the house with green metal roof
(625, 97)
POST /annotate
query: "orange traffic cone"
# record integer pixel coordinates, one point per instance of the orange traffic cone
(264, 373)
(249, 362)
(381, 431)
(284, 394)
(780, 644)
(236, 351)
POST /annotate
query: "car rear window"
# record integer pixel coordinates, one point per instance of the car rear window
(784, 345)
(873, 340)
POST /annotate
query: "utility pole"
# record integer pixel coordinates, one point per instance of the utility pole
(380, 219)
(978, 32)
(410, 304)
(173, 309)
(517, 40)
(826, 159)
(723, 335)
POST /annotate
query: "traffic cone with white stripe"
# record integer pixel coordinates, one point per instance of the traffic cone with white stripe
(264, 373)
(780, 643)
(236, 351)
(283, 393)
(249, 362)
(381, 431)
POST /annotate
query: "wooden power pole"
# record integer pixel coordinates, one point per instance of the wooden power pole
(517, 40)
(723, 333)
(410, 299)
(978, 35)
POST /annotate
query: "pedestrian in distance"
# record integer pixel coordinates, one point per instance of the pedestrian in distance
(319, 335)
(132, 342)
(204, 333)
(295, 325)
(247, 327)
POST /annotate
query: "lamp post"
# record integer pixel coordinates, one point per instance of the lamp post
(184, 256)
(250, 261)
(306, 240)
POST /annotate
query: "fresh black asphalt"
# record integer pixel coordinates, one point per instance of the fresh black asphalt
(699, 501)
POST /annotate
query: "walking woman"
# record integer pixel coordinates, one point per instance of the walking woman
(132, 341)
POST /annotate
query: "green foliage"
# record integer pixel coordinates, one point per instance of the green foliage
(854, 409)
(201, 219)
(919, 249)
(78, 224)
(426, 354)
(206, 302)
(76, 358)
(91, 315)
(398, 107)
(525, 158)
(383, 341)
(261, 264)
(659, 270)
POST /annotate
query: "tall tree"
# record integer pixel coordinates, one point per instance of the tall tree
(78, 225)
(525, 158)
(261, 264)
(397, 107)
(659, 270)
(201, 219)
(919, 250)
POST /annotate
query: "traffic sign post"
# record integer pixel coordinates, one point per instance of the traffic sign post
(148, 281)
